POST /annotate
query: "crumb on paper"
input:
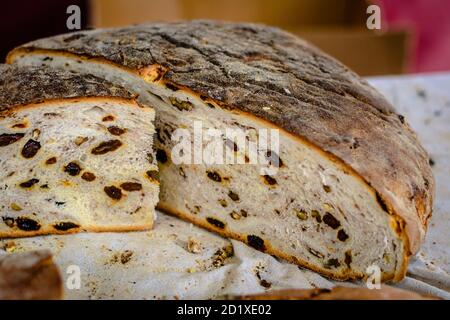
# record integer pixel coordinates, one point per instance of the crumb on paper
(262, 282)
(10, 246)
(191, 270)
(193, 245)
(126, 256)
(122, 257)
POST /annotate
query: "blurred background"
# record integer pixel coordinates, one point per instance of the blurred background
(414, 35)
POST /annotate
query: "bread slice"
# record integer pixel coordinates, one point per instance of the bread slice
(354, 189)
(29, 276)
(75, 154)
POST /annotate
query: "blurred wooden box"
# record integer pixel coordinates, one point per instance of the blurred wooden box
(367, 53)
(281, 13)
(335, 26)
(112, 13)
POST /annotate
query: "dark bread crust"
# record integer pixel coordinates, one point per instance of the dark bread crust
(284, 80)
(22, 86)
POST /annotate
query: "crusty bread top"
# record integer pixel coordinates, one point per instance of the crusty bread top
(29, 275)
(26, 85)
(280, 78)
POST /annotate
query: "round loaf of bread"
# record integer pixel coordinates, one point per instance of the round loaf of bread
(354, 189)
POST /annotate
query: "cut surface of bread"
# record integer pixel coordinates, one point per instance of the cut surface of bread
(354, 188)
(75, 154)
(29, 276)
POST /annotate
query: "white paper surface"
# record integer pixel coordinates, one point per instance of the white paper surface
(158, 264)
(425, 101)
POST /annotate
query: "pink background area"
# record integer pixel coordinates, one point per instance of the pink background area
(429, 23)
